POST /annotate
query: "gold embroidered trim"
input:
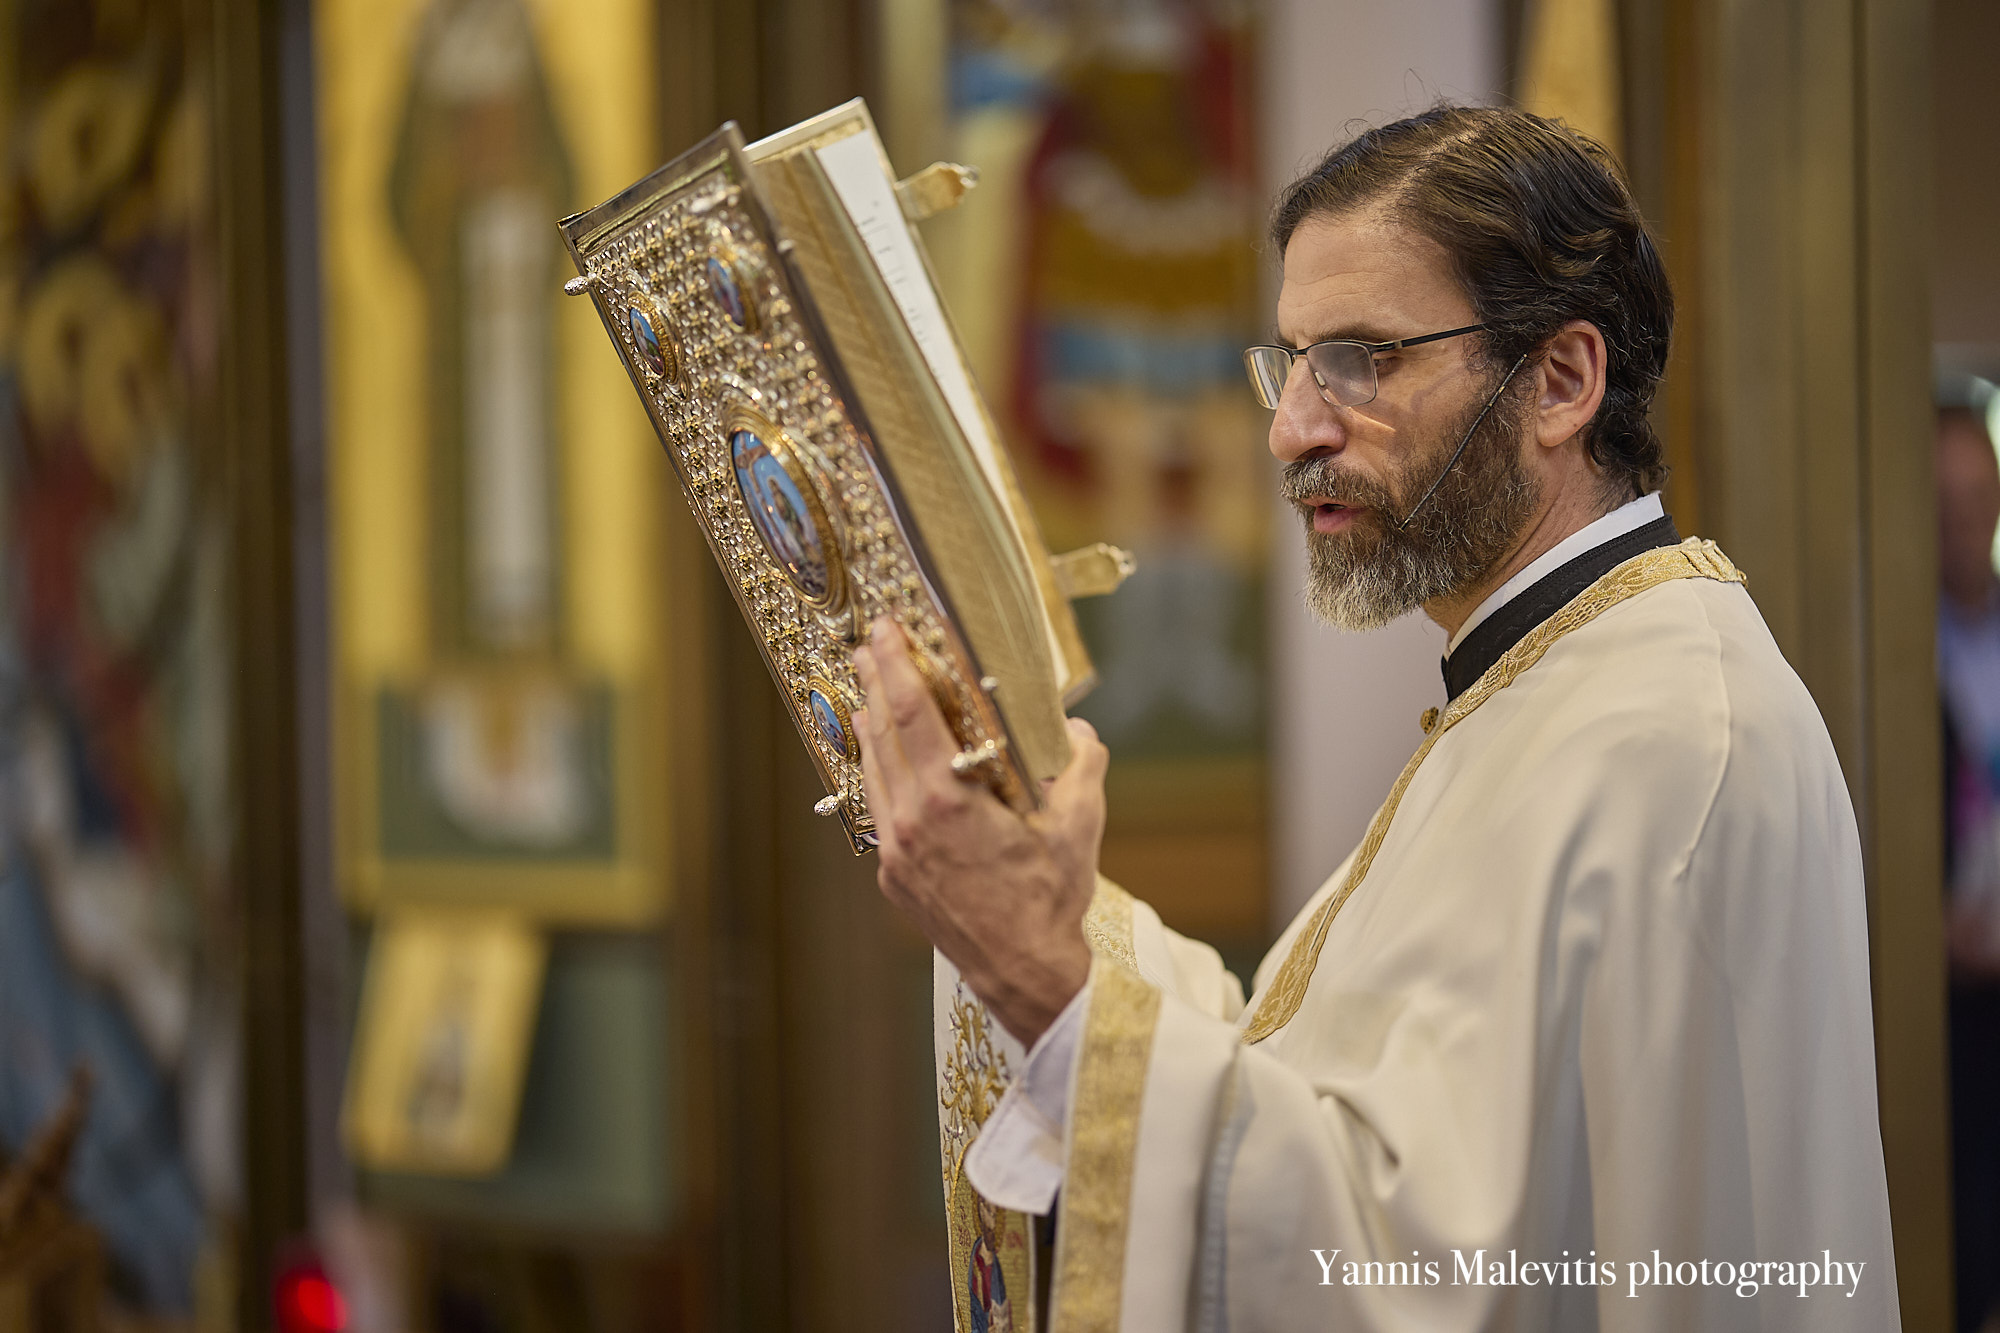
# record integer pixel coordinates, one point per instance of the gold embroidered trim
(1694, 558)
(1103, 1144)
(1107, 924)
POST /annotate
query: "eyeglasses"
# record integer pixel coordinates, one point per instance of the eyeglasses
(1343, 368)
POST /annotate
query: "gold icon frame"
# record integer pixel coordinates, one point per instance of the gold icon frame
(735, 262)
(843, 711)
(672, 364)
(741, 416)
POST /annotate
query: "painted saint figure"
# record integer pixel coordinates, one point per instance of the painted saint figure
(985, 1283)
(480, 169)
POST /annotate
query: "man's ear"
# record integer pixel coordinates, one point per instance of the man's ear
(1570, 383)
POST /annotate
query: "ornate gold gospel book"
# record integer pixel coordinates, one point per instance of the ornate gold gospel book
(774, 307)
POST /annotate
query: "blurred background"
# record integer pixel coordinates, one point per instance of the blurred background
(412, 919)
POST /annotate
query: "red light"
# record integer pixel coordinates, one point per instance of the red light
(309, 1303)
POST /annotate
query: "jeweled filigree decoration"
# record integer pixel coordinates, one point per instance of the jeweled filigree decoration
(719, 339)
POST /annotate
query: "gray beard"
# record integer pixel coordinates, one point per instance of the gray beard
(1374, 572)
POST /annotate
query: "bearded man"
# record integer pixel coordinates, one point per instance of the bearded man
(1579, 1036)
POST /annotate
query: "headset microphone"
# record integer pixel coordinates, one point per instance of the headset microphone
(1456, 453)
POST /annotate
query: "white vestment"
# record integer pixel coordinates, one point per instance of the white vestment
(1597, 1005)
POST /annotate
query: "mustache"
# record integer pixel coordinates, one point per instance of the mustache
(1324, 479)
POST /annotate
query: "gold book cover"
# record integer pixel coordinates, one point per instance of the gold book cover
(775, 310)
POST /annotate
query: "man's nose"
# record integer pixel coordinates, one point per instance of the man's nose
(1305, 425)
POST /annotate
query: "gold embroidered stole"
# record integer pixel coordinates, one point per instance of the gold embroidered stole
(971, 1081)
(1694, 558)
(1107, 924)
(1088, 1288)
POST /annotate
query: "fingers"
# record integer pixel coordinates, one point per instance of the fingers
(1077, 794)
(872, 788)
(1088, 758)
(906, 703)
(885, 770)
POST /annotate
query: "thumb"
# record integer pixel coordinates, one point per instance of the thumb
(1079, 788)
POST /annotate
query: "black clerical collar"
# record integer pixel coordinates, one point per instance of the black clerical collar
(1509, 624)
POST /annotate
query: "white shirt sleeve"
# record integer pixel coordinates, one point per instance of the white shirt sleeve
(1017, 1160)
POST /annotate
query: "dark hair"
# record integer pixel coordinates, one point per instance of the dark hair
(1541, 229)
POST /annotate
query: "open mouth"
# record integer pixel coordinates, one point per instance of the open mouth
(1332, 516)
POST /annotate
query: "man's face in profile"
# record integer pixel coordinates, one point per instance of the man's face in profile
(1355, 473)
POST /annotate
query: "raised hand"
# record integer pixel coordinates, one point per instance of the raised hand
(1000, 894)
